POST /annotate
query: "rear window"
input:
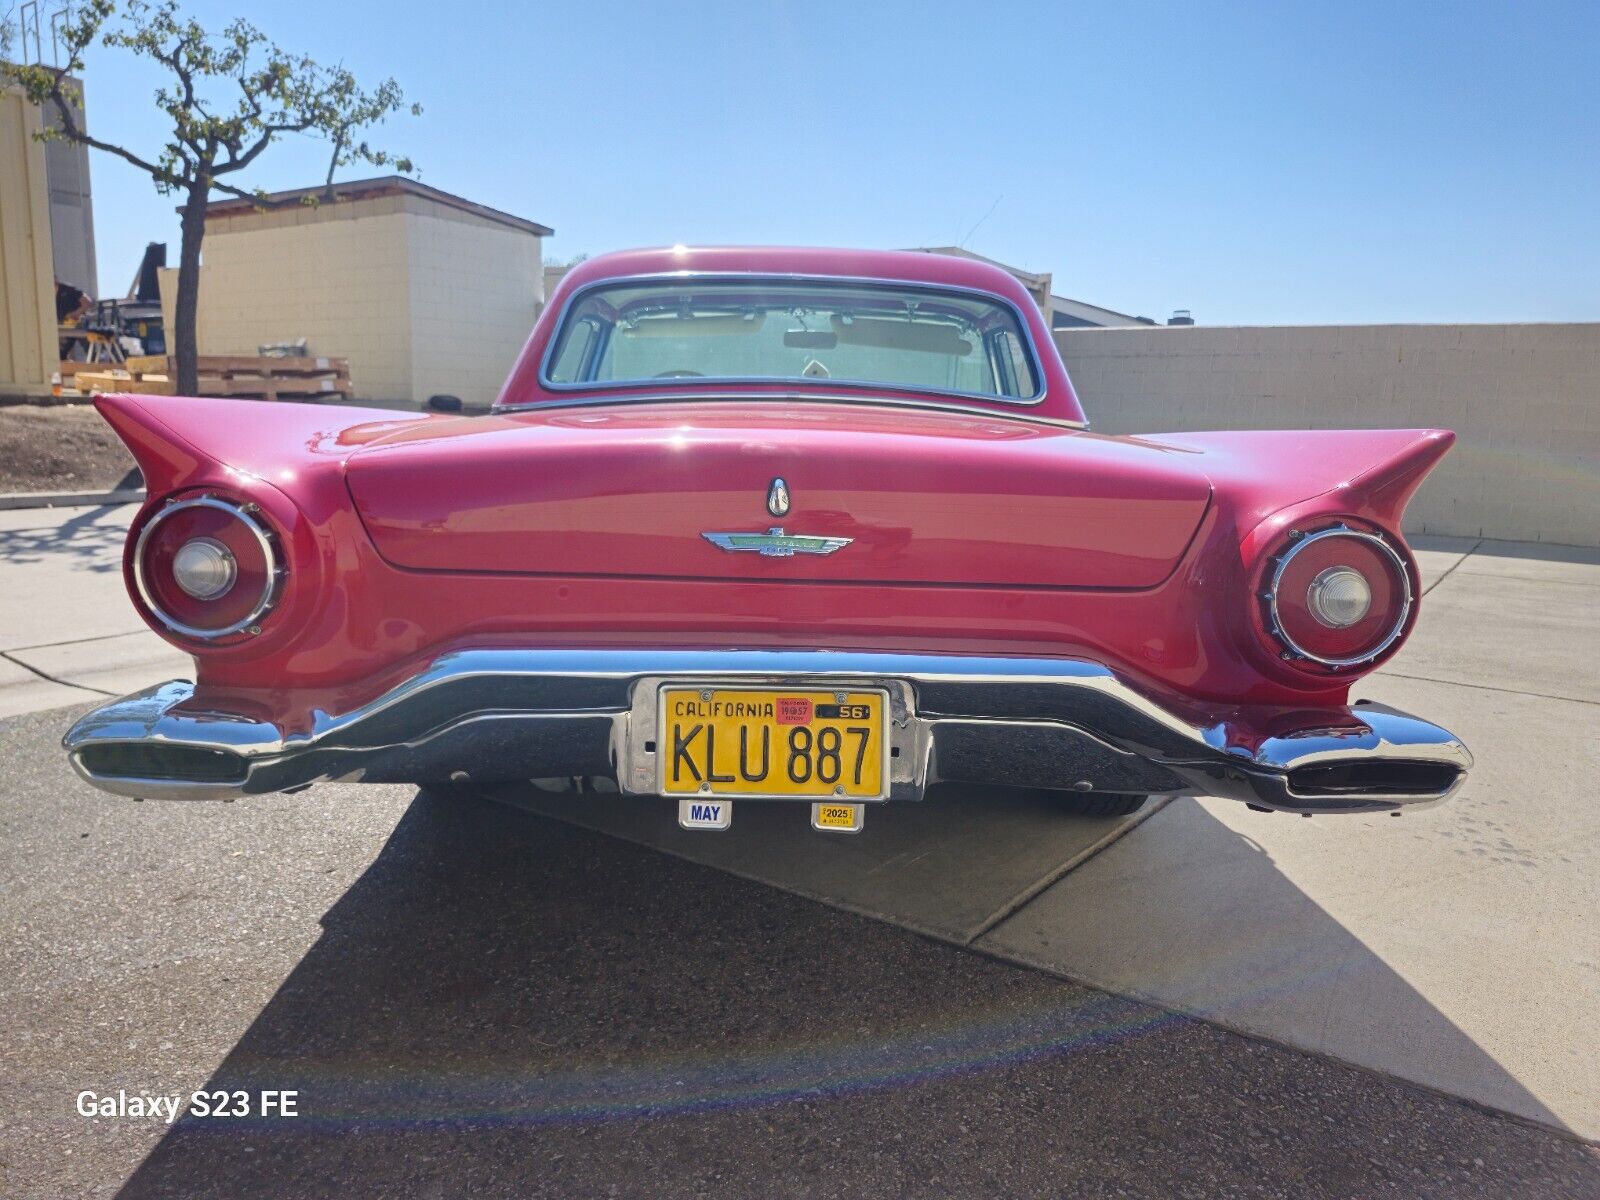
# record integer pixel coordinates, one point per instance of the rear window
(799, 330)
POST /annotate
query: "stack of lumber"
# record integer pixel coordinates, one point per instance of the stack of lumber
(244, 377)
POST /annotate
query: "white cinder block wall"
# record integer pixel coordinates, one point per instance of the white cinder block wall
(1524, 400)
(422, 296)
(476, 288)
(336, 275)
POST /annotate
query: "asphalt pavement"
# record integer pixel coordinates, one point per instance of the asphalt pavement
(470, 999)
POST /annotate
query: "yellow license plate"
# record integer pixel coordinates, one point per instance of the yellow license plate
(773, 743)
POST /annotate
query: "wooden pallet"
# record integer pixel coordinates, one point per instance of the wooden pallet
(121, 381)
(257, 388)
(230, 366)
(242, 377)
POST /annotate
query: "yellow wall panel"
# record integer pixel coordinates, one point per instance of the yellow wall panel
(28, 348)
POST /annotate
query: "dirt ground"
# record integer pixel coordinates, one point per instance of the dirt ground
(59, 449)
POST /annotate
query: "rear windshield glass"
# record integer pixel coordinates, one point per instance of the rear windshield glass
(816, 331)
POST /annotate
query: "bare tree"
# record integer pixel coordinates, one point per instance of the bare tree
(231, 96)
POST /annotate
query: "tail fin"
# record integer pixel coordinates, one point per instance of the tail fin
(1386, 487)
(179, 441)
(1369, 473)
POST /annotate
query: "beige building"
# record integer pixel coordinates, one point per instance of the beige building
(424, 292)
(27, 293)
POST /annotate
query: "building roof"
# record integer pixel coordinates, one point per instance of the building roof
(1032, 280)
(1039, 284)
(1096, 313)
(371, 189)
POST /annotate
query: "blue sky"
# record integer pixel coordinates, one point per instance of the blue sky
(1265, 163)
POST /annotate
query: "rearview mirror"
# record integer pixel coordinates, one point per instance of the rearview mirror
(806, 339)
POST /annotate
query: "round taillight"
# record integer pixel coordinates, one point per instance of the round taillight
(206, 568)
(1338, 597)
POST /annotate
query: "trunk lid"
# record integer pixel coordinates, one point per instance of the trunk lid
(924, 496)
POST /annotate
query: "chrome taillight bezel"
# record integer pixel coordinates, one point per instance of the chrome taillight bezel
(1275, 624)
(244, 514)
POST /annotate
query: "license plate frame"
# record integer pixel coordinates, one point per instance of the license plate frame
(883, 723)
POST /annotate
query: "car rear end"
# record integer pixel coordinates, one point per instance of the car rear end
(820, 589)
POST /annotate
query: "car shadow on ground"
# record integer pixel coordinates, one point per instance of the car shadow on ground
(506, 1005)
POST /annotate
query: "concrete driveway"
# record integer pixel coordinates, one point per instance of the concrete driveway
(1456, 949)
(67, 630)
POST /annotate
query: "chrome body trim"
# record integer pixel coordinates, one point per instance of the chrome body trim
(865, 398)
(559, 326)
(519, 713)
(263, 539)
(1341, 531)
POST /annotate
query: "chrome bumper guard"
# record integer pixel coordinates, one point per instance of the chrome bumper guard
(522, 714)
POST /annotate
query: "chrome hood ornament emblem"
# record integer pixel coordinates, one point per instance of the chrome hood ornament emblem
(778, 498)
(775, 543)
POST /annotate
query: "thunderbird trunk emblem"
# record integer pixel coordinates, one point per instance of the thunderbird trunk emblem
(775, 543)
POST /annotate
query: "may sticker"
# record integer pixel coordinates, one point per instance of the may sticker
(705, 814)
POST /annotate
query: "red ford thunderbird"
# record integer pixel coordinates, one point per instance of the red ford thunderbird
(756, 524)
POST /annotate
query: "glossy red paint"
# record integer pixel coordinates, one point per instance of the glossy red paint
(926, 496)
(993, 533)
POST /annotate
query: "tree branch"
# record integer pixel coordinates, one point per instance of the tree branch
(238, 162)
(255, 198)
(69, 126)
(333, 163)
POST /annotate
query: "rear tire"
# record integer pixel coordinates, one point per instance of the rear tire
(1101, 804)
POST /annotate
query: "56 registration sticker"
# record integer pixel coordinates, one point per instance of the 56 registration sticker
(773, 743)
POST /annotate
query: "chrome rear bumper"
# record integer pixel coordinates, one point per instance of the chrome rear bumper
(520, 714)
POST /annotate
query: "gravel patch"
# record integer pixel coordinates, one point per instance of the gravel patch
(63, 448)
